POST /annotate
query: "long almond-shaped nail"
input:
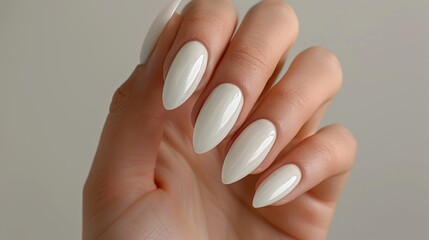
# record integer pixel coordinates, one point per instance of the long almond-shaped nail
(249, 150)
(185, 74)
(156, 28)
(217, 117)
(277, 186)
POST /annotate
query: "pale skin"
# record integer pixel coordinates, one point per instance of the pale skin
(146, 181)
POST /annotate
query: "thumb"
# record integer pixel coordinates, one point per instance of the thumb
(133, 130)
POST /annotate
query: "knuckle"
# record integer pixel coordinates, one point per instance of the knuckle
(340, 146)
(277, 5)
(294, 96)
(217, 25)
(250, 54)
(327, 150)
(202, 16)
(120, 98)
(86, 190)
(347, 137)
(279, 9)
(329, 61)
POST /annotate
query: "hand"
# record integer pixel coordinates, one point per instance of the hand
(147, 182)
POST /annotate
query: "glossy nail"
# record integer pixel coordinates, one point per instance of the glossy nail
(217, 117)
(185, 74)
(277, 186)
(248, 151)
(156, 29)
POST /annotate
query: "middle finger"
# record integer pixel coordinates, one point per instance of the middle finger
(267, 32)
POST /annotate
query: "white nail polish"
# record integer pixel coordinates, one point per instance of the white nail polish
(217, 117)
(156, 29)
(249, 150)
(185, 74)
(277, 186)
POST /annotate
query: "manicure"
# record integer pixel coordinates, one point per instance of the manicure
(277, 186)
(185, 74)
(248, 151)
(156, 29)
(217, 117)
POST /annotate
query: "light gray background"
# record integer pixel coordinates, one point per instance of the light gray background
(60, 62)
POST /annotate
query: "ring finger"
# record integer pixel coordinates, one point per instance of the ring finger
(312, 80)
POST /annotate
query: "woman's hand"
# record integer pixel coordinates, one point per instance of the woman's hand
(148, 182)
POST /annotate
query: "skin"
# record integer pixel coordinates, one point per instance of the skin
(146, 181)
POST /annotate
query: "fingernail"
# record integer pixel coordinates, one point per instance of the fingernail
(217, 117)
(248, 151)
(185, 74)
(156, 28)
(277, 186)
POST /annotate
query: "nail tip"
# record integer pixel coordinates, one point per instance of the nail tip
(165, 102)
(142, 60)
(229, 181)
(268, 192)
(197, 148)
(149, 42)
(197, 151)
(200, 147)
(195, 142)
(259, 201)
(256, 204)
(230, 178)
(176, 2)
(170, 101)
(168, 105)
(226, 180)
(200, 150)
(145, 51)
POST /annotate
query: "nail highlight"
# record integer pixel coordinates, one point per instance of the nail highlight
(277, 186)
(185, 74)
(156, 28)
(217, 117)
(248, 151)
